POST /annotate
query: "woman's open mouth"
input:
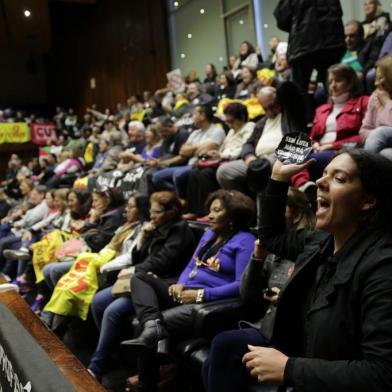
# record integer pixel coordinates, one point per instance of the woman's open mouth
(322, 205)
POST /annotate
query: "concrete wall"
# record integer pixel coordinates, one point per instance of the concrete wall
(208, 33)
(207, 42)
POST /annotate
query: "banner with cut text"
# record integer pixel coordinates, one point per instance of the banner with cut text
(43, 134)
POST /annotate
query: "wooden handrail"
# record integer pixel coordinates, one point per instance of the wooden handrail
(2, 279)
(67, 363)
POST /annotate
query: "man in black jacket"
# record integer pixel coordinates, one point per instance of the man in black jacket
(284, 113)
(316, 37)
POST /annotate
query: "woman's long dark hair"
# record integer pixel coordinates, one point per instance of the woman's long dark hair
(375, 174)
(299, 202)
(251, 49)
(84, 199)
(230, 79)
(143, 205)
(116, 199)
(214, 71)
(241, 209)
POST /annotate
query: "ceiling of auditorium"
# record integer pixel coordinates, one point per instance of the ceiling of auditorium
(32, 32)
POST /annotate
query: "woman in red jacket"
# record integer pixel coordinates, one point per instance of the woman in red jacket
(336, 123)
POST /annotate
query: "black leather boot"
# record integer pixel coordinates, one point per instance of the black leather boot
(152, 333)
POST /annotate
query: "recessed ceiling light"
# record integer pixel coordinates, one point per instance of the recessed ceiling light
(176, 4)
(183, 55)
(241, 22)
(202, 11)
(266, 26)
(189, 35)
(27, 13)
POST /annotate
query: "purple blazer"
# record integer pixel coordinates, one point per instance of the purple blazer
(224, 281)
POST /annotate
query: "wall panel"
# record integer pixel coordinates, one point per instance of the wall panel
(122, 44)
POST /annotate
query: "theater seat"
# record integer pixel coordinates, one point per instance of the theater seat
(198, 229)
(269, 388)
(210, 319)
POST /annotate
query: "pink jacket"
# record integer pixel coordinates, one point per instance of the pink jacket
(70, 165)
(348, 121)
(376, 117)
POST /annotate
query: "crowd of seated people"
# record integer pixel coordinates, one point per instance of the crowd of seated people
(111, 203)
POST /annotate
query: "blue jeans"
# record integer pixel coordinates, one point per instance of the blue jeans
(22, 265)
(172, 179)
(10, 241)
(224, 370)
(35, 236)
(5, 229)
(54, 271)
(380, 141)
(370, 78)
(111, 315)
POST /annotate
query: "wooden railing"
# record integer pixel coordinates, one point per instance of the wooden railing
(72, 369)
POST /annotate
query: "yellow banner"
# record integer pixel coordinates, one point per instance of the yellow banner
(252, 104)
(14, 133)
